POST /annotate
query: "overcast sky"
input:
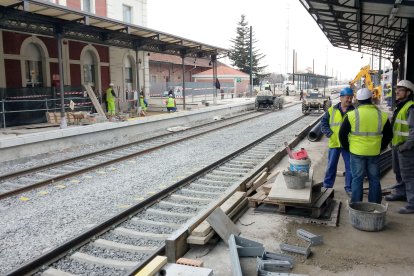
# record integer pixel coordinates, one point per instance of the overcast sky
(214, 22)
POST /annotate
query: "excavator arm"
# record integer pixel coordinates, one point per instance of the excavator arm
(364, 72)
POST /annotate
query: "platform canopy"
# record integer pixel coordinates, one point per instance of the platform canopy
(45, 18)
(374, 27)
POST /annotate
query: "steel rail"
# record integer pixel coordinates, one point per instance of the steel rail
(115, 160)
(80, 157)
(71, 245)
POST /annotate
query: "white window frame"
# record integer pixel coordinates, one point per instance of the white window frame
(92, 7)
(131, 13)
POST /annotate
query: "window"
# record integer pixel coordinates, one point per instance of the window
(88, 68)
(127, 12)
(33, 66)
(128, 73)
(87, 5)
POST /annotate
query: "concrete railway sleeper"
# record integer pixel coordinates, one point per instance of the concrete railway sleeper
(18, 182)
(122, 244)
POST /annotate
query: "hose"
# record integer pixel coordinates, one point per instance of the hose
(315, 133)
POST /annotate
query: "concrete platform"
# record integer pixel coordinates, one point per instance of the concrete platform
(31, 142)
(345, 251)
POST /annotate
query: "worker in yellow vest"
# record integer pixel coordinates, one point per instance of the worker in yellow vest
(143, 105)
(171, 105)
(330, 125)
(364, 132)
(403, 146)
(110, 99)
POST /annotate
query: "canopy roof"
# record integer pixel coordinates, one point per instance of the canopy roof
(369, 26)
(45, 18)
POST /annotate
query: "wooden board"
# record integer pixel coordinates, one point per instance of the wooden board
(222, 224)
(280, 192)
(94, 100)
(153, 267)
(204, 228)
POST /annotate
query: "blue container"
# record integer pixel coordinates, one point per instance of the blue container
(299, 165)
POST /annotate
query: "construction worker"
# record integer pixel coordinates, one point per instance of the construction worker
(171, 105)
(110, 99)
(330, 124)
(143, 105)
(403, 146)
(388, 95)
(364, 132)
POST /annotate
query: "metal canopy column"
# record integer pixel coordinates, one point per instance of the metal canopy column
(214, 61)
(183, 67)
(63, 123)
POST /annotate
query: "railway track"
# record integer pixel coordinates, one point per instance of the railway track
(122, 244)
(28, 179)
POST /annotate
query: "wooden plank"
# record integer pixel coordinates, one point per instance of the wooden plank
(204, 228)
(153, 267)
(94, 100)
(222, 224)
(257, 183)
(327, 194)
(280, 192)
(200, 240)
(237, 209)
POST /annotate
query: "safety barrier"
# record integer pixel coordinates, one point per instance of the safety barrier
(48, 105)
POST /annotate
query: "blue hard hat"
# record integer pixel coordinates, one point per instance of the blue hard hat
(347, 91)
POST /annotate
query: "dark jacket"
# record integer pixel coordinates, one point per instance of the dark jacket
(325, 128)
(409, 144)
(346, 129)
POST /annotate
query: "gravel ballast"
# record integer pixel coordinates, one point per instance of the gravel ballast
(57, 212)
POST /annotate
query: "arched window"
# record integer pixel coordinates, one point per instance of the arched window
(128, 73)
(89, 68)
(33, 66)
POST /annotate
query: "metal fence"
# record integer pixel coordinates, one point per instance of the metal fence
(22, 106)
(191, 88)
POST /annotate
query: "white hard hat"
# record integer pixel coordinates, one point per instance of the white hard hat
(111, 84)
(363, 94)
(407, 84)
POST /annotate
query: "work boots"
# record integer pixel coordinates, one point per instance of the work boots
(395, 197)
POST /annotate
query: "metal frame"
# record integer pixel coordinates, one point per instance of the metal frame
(44, 18)
(367, 26)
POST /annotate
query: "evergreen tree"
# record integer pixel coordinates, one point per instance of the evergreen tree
(240, 52)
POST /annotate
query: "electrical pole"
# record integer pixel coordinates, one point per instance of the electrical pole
(251, 62)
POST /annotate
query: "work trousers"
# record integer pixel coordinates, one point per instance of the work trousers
(111, 107)
(330, 174)
(403, 167)
(361, 166)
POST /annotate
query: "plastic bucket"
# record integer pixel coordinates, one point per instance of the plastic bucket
(299, 165)
(367, 216)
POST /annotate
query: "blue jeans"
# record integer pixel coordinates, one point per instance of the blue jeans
(361, 166)
(330, 174)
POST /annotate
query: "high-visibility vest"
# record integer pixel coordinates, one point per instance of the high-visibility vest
(389, 93)
(142, 104)
(170, 102)
(335, 122)
(109, 96)
(367, 123)
(401, 127)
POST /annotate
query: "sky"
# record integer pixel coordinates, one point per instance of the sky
(214, 22)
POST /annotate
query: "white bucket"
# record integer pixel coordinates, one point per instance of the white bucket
(299, 165)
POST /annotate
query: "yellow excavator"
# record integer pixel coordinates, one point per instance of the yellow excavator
(369, 75)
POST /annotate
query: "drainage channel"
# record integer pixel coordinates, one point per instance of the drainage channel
(124, 243)
(28, 179)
